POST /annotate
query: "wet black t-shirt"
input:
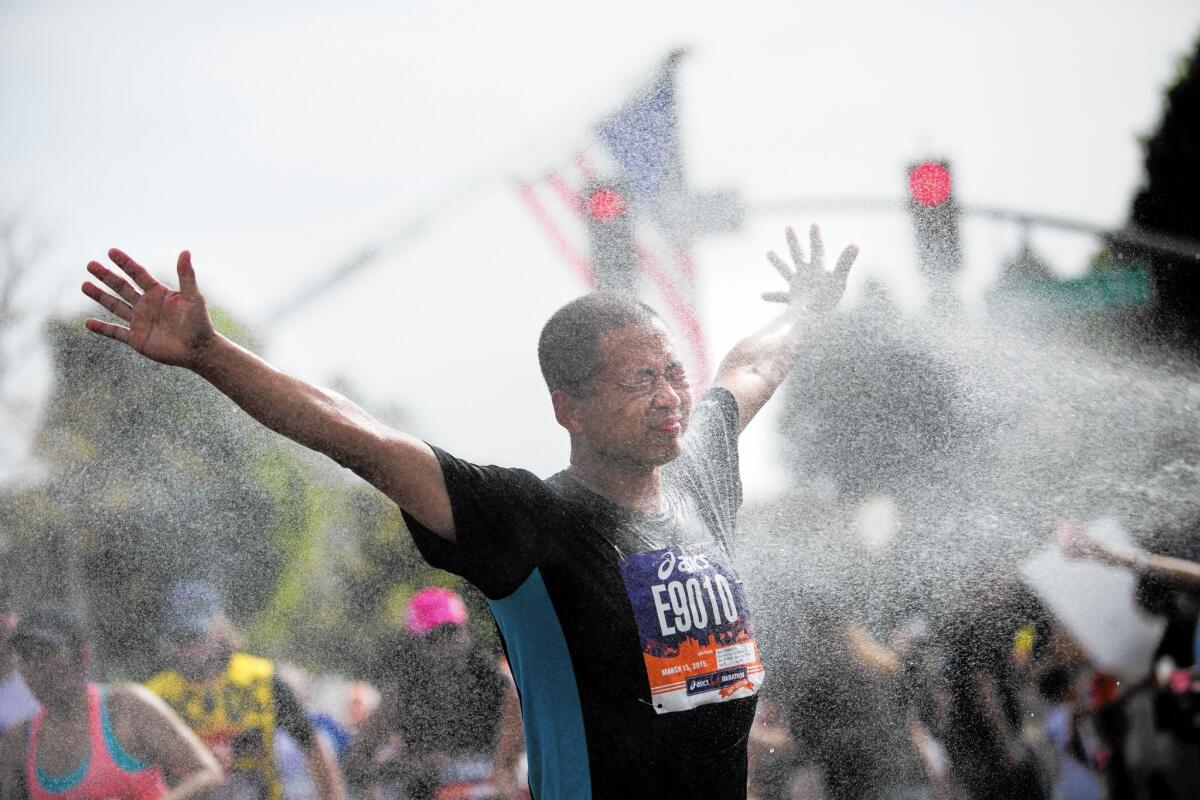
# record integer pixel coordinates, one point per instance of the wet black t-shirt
(628, 633)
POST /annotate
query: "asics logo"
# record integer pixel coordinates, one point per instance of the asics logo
(686, 563)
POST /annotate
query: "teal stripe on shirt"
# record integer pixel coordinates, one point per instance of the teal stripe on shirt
(553, 718)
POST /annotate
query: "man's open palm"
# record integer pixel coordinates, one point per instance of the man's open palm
(168, 326)
(810, 286)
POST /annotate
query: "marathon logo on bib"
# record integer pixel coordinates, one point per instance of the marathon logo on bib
(694, 625)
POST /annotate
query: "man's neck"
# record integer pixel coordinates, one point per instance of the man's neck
(637, 488)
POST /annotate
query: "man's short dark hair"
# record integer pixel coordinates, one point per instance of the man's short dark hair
(569, 347)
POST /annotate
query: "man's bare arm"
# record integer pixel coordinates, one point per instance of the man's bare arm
(401, 466)
(173, 327)
(758, 364)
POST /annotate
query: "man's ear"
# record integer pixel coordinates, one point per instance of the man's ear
(567, 409)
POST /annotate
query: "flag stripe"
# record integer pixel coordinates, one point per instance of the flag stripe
(569, 196)
(581, 265)
(584, 167)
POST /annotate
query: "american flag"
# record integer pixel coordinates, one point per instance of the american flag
(637, 145)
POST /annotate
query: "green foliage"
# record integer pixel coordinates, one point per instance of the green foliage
(339, 604)
(149, 475)
(1169, 202)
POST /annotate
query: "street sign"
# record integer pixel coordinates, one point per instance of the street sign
(1112, 288)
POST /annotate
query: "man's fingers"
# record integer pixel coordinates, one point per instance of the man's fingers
(113, 304)
(794, 245)
(117, 332)
(114, 281)
(781, 266)
(141, 276)
(187, 275)
(845, 261)
(817, 246)
(777, 297)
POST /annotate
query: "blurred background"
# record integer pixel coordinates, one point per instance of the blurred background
(391, 198)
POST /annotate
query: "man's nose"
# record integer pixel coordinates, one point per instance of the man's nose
(666, 395)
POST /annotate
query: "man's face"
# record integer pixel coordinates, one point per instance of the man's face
(635, 410)
(195, 656)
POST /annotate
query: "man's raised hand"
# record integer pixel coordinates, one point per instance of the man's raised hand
(810, 286)
(168, 326)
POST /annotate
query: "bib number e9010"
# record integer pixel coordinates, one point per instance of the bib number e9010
(684, 605)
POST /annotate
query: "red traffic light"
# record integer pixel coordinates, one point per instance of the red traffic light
(604, 204)
(929, 183)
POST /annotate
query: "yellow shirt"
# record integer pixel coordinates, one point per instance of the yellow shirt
(234, 713)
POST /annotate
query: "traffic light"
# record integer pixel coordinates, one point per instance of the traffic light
(934, 214)
(610, 230)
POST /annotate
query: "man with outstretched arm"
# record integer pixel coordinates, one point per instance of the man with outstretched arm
(611, 582)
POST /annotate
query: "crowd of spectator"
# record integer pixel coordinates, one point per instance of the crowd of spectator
(994, 699)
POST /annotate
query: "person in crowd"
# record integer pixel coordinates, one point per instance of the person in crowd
(93, 741)
(1172, 769)
(293, 762)
(298, 783)
(234, 700)
(832, 703)
(988, 754)
(1074, 778)
(17, 703)
(612, 582)
(1167, 587)
(510, 778)
(438, 721)
(844, 687)
(921, 762)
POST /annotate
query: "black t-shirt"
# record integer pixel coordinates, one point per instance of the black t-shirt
(595, 602)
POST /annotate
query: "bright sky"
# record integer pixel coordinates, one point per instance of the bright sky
(275, 139)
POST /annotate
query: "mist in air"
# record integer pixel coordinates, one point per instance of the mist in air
(392, 201)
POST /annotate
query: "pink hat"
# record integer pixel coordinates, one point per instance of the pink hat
(431, 607)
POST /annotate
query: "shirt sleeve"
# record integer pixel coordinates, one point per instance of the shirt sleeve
(708, 466)
(289, 713)
(498, 515)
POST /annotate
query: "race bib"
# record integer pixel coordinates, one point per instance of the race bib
(694, 626)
